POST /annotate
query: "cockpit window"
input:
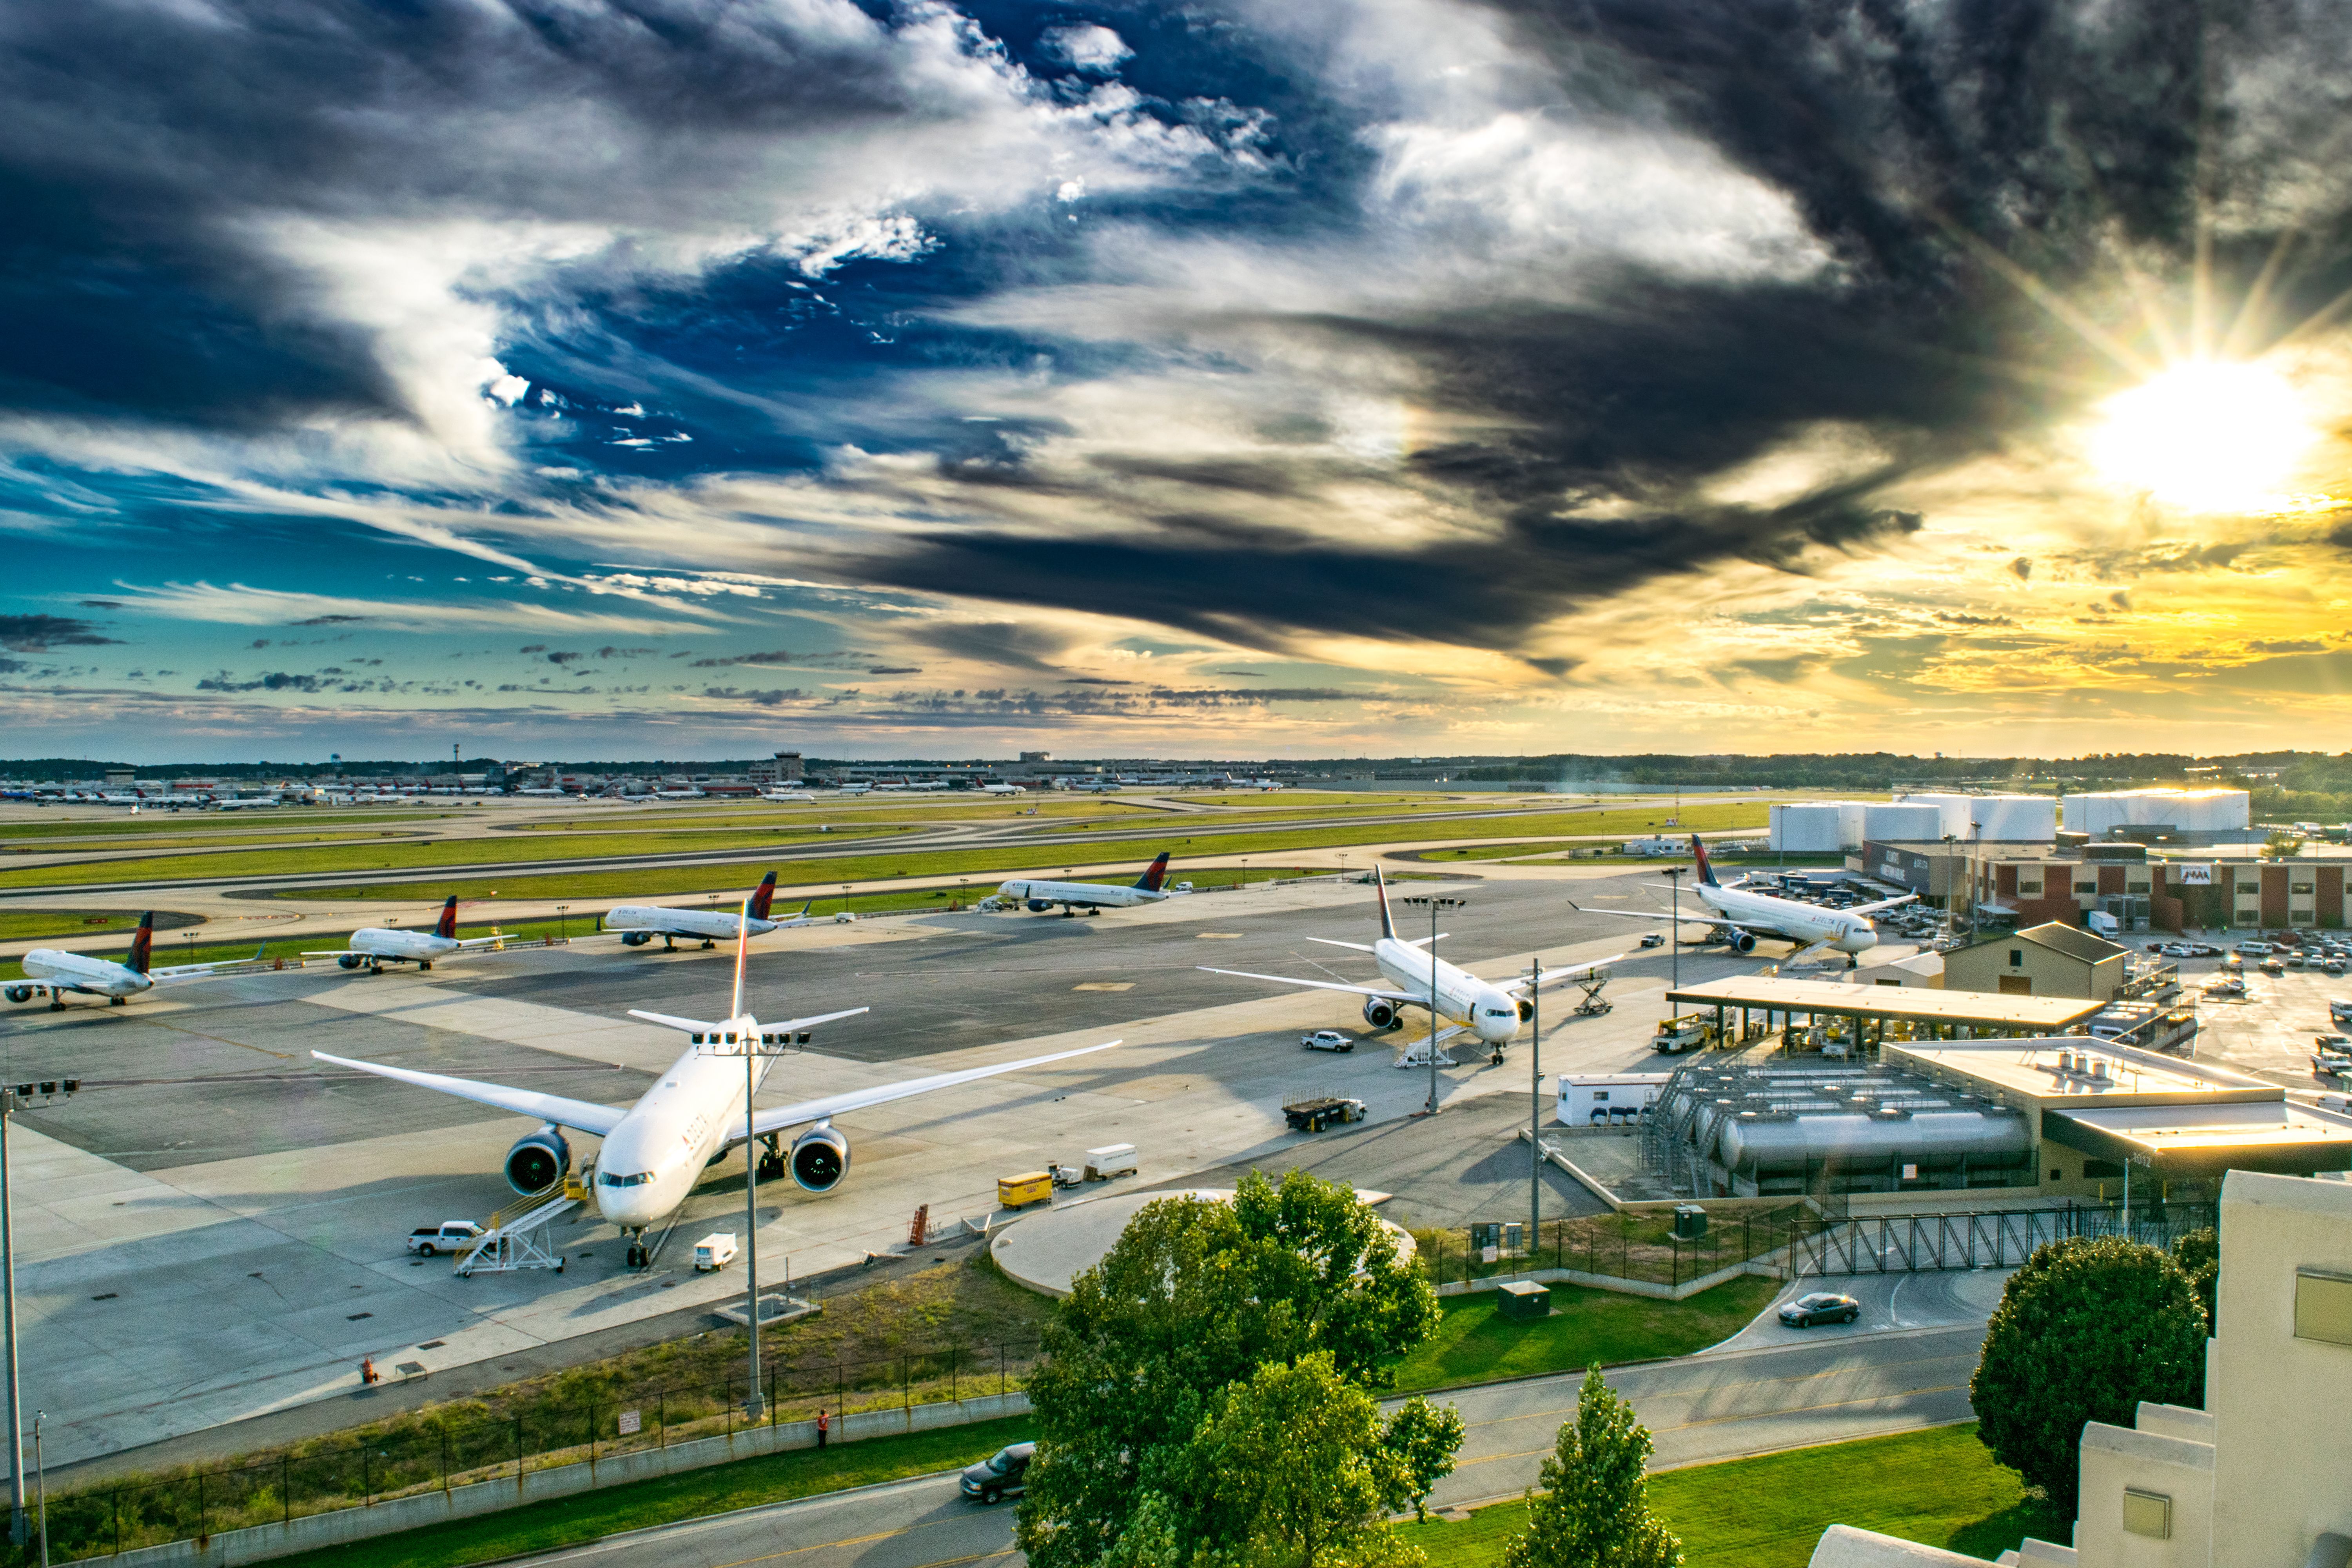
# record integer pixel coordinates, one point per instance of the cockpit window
(634, 1179)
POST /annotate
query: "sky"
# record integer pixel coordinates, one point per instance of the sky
(1284, 378)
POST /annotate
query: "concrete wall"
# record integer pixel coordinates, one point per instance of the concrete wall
(2117, 1459)
(420, 1508)
(2280, 1405)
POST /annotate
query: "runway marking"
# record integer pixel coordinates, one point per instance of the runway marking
(1216, 936)
(1105, 985)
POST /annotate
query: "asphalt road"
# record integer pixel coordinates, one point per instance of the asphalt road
(1699, 1409)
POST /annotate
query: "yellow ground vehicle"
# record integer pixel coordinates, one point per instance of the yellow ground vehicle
(1020, 1192)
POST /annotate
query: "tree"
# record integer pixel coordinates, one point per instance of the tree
(1195, 1295)
(2084, 1331)
(1593, 1510)
(1296, 1468)
(2198, 1254)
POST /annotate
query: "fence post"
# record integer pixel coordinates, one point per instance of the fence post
(200, 1506)
(905, 1381)
(444, 1460)
(367, 1474)
(1000, 1369)
(771, 1396)
(518, 1455)
(661, 1414)
(286, 1489)
(117, 1521)
(592, 1431)
(951, 1375)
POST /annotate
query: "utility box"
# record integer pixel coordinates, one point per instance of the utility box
(1020, 1192)
(1110, 1160)
(1690, 1222)
(1523, 1299)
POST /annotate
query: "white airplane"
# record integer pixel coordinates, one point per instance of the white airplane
(1092, 897)
(655, 1150)
(246, 803)
(58, 971)
(372, 947)
(1736, 918)
(1002, 789)
(541, 792)
(781, 794)
(640, 923)
(1489, 1010)
(855, 789)
(688, 793)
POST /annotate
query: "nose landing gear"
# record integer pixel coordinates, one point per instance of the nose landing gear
(639, 1254)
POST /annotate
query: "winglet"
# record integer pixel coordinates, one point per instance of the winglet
(143, 945)
(1381, 889)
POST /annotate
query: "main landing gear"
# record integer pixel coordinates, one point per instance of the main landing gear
(772, 1163)
(116, 1001)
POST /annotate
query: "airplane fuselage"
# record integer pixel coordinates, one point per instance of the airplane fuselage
(1486, 1008)
(703, 925)
(1804, 924)
(650, 1162)
(386, 946)
(1080, 895)
(79, 971)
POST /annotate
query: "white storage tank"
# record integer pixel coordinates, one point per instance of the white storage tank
(1903, 822)
(1954, 812)
(2031, 818)
(2179, 810)
(1808, 827)
(1852, 817)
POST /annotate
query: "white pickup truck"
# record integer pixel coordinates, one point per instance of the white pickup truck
(1326, 1040)
(450, 1235)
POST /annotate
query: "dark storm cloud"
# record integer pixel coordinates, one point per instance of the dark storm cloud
(38, 634)
(330, 620)
(1006, 643)
(757, 699)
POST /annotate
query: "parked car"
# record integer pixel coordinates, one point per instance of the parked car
(2273, 966)
(1326, 1040)
(450, 1235)
(2333, 966)
(2227, 985)
(2339, 1010)
(1000, 1476)
(2203, 950)
(1653, 939)
(2252, 949)
(2294, 960)
(1819, 1307)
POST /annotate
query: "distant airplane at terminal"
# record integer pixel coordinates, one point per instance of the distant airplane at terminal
(372, 947)
(640, 923)
(786, 795)
(1092, 897)
(655, 1151)
(1493, 1011)
(1736, 918)
(1002, 789)
(58, 973)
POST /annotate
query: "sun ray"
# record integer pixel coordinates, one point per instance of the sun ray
(2257, 301)
(2060, 308)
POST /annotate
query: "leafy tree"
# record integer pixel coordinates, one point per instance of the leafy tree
(1296, 1468)
(2198, 1254)
(2084, 1331)
(1195, 1295)
(1593, 1510)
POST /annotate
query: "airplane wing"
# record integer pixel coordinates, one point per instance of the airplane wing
(1708, 918)
(802, 919)
(1883, 904)
(1561, 976)
(578, 1114)
(700, 1027)
(178, 972)
(1322, 984)
(1351, 946)
(778, 1118)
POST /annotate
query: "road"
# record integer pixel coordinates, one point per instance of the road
(1718, 1406)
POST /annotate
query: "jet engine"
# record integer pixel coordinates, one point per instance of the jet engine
(350, 961)
(1380, 1013)
(1526, 1010)
(538, 1162)
(1740, 941)
(635, 938)
(1039, 906)
(820, 1158)
(20, 994)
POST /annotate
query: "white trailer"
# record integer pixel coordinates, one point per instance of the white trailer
(1608, 1099)
(716, 1250)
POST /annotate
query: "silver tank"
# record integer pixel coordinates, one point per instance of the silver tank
(1932, 1140)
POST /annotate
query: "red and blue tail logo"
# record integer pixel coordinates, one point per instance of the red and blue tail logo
(763, 896)
(1706, 871)
(143, 945)
(447, 924)
(1154, 874)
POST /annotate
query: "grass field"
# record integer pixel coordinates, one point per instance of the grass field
(568, 1521)
(1938, 1486)
(1475, 1345)
(295, 818)
(209, 840)
(34, 925)
(982, 863)
(417, 854)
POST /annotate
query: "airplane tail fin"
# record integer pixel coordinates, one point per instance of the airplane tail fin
(1706, 871)
(447, 924)
(143, 945)
(742, 952)
(763, 896)
(1380, 889)
(1154, 874)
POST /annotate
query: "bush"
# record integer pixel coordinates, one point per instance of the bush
(2084, 1331)
(2198, 1254)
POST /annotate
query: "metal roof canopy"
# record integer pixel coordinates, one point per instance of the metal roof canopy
(1970, 1009)
(2191, 1141)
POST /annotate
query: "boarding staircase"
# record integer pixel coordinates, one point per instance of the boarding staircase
(516, 1238)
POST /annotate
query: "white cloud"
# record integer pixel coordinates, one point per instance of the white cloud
(1087, 46)
(236, 604)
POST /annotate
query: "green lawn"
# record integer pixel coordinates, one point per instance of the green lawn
(568, 1522)
(1940, 1487)
(1476, 1344)
(290, 818)
(34, 925)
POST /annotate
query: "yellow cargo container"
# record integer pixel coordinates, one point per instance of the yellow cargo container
(1018, 1192)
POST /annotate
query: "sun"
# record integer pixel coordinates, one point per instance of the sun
(2205, 434)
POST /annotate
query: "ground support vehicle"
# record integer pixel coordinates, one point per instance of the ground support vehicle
(1314, 1112)
(1326, 1040)
(450, 1235)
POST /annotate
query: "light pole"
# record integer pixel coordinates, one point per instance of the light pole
(1435, 1001)
(563, 921)
(1950, 840)
(754, 1406)
(1674, 929)
(1535, 1101)
(41, 1477)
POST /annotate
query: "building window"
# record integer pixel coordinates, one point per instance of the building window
(2323, 1306)
(2250, 916)
(2029, 889)
(2056, 1175)
(2086, 887)
(2135, 887)
(2298, 887)
(2017, 958)
(2302, 916)
(2147, 1513)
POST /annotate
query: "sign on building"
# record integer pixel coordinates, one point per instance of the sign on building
(2196, 876)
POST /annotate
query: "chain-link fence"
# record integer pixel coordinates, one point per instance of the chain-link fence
(1642, 1248)
(468, 1441)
